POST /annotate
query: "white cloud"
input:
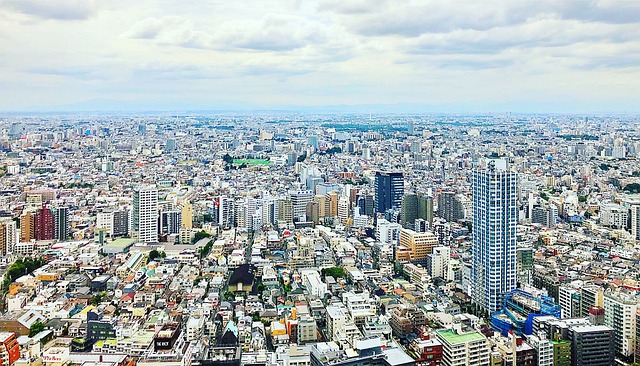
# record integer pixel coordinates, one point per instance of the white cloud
(312, 52)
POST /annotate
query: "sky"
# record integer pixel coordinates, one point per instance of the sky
(433, 56)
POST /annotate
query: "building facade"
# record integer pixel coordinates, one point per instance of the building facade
(495, 218)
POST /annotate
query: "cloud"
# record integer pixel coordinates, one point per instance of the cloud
(318, 51)
(273, 32)
(79, 73)
(57, 9)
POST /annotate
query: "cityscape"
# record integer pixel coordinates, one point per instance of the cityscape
(319, 183)
(320, 240)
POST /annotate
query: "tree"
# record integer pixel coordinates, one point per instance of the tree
(544, 196)
(97, 299)
(156, 254)
(582, 198)
(200, 235)
(227, 158)
(632, 188)
(336, 272)
(36, 328)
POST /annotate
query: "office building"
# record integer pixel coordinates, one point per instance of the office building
(299, 200)
(495, 212)
(414, 207)
(145, 214)
(61, 226)
(415, 247)
(389, 189)
(450, 207)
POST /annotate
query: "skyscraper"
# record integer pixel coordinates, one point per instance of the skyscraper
(61, 215)
(44, 224)
(495, 217)
(416, 206)
(389, 187)
(449, 207)
(145, 214)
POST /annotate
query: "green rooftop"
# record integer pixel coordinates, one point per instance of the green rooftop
(251, 161)
(121, 243)
(453, 338)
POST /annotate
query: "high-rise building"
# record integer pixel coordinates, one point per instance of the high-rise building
(170, 222)
(27, 226)
(389, 188)
(591, 296)
(114, 221)
(8, 237)
(425, 208)
(61, 215)
(299, 200)
(495, 218)
(285, 210)
(145, 214)
(419, 245)
(409, 212)
(634, 209)
(463, 347)
(416, 206)
(576, 341)
(187, 215)
(620, 314)
(366, 204)
(44, 224)
(450, 207)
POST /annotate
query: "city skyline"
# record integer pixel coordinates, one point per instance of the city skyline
(528, 57)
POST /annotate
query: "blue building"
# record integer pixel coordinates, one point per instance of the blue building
(520, 308)
(389, 189)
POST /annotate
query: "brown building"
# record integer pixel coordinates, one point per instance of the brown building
(9, 349)
(27, 226)
(419, 245)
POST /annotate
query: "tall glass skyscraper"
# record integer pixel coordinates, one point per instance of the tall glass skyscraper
(495, 217)
(389, 189)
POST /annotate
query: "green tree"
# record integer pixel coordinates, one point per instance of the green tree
(227, 159)
(200, 235)
(336, 272)
(154, 254)
(582, 198)
(632, 188)
(544, 196)
(36, 328)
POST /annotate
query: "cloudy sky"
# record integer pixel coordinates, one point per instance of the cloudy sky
(520, 56)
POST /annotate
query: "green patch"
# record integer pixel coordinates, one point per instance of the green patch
(251, 162)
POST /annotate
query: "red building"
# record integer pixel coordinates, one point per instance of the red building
(9, 349)
(44, 221)
(429, 352)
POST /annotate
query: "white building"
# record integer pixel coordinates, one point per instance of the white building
(495, 218)
(620, 314)
(145, 214)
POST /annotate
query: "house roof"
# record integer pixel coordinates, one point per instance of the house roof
(243, 274)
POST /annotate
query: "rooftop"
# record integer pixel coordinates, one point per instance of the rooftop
(451, 337)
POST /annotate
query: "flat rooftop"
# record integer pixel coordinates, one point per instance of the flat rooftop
(453, 338)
